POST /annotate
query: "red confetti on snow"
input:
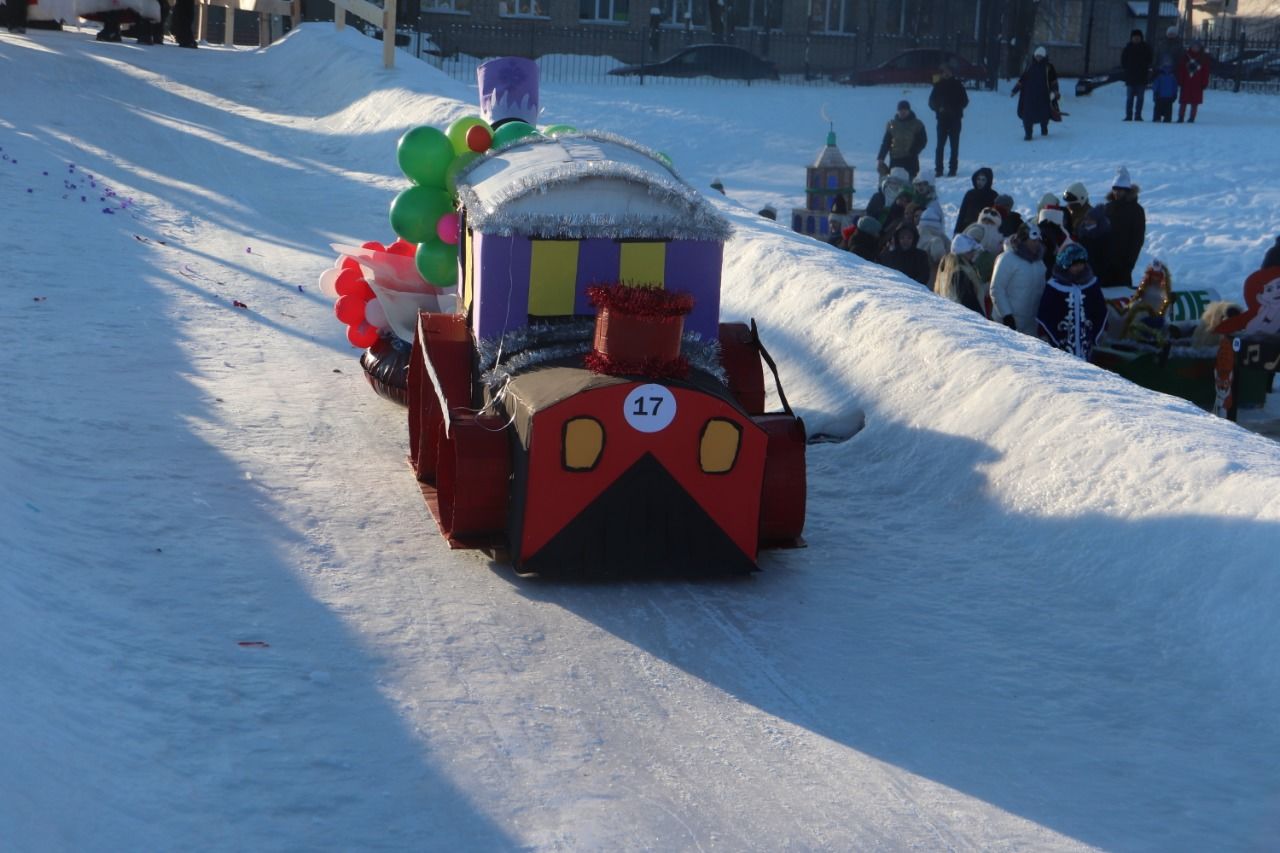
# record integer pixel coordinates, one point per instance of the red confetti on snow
(237, 303)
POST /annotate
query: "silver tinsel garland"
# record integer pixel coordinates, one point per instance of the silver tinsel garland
(691, 216)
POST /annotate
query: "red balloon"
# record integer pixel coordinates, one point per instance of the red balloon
(375, 245)
(352, 283)
(402, 247)
(479, 138)
(362, 335)
(350, 310)
(350, 263)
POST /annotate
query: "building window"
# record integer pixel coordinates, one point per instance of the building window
(1060, 21)
(832, 16)
(684, 13)
(521, 9)
(461, 6)
(603, 10)
(757, 14)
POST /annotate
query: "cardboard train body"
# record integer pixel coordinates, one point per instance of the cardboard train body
(521, 449)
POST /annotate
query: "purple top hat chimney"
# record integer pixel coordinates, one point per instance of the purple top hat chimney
(508, 90)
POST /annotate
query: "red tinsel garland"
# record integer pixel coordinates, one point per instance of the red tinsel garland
(654, 368)
(640, 300)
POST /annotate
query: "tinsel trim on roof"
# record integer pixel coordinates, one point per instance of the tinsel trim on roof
(690, 217)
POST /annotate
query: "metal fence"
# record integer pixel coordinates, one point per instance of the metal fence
(572, 54)
(1244, 63)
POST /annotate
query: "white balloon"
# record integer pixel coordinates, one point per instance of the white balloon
(375, 315)
(328, 279)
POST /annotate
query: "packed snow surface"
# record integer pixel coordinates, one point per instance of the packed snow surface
(1037, 610)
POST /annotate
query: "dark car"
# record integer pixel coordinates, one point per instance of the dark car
(919, 65)
(1252, 63)
(706, 60)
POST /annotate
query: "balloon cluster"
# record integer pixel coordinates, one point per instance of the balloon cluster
(356, 305)
(425, 214)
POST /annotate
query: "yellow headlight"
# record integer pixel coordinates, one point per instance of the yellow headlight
(583, 443)
(718, 449)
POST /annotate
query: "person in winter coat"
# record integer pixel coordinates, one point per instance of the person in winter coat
(957, 280)
(1272, 258)
(1193, 79)
(982, 195)
(1164, 91)
(948, 101)
(1073, 312)
(925, 195)
(1075, 199)
(1053, 235)
(1094, 233)
(1010, 219)
(906, 257)
(865, 242)
(1128, 232)
(984, 261)
(904, 139)
(933, 239)
(1135, 59)
(1037, 91)
(1170, 49)
(1018, 281)
(891, 186)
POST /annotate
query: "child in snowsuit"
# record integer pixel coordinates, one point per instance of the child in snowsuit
(1164, 88)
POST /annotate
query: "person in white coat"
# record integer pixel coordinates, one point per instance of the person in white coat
(1018, 280)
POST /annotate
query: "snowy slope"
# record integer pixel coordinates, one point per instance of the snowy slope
(1038, 609)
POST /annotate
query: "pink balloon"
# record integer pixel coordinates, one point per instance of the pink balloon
(447, 229)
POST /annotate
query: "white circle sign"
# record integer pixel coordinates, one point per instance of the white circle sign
(649, 408)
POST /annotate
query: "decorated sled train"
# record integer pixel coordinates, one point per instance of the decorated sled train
(578, 407)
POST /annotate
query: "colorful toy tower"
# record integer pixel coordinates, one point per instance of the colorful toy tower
(828, 194)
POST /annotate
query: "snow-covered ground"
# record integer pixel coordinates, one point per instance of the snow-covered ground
(1038, 610)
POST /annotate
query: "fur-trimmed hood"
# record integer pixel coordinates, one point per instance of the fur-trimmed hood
(1133, 193)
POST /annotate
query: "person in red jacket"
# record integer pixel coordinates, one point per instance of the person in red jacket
(1193, 79)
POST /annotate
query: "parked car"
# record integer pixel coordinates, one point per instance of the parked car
(918, 65)
(1085, 85)
(1252, 63)
(706, 60)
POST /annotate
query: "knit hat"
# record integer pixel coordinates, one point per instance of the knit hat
(1003, 201)
(868, 225)
(1053, 214)
(1040, 52)
(1122, 181)
(1046, 200)
(898, 174)
(1072, 253)
(977, 232)
(904, 105)
(963, 244)
(1076, 194)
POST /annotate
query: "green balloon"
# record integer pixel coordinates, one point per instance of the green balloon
(415, 212)
(459, 163)
(558, 129)
(423, 154)
(438, 262)
(512, 130)
(457, 133)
